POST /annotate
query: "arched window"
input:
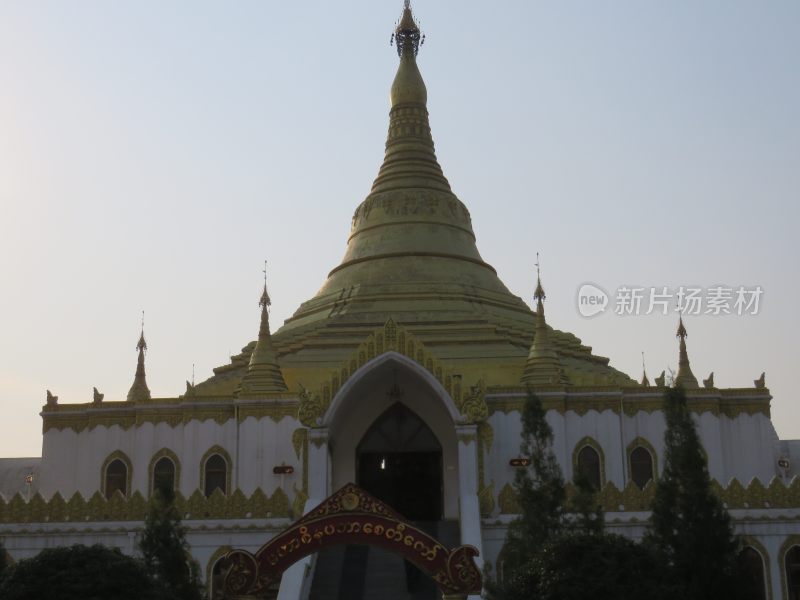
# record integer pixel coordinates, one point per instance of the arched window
(751, 565)
(216, 475)
(793, 572)
(164, 474)
(116, 478)
(641, 466)
(589, 465)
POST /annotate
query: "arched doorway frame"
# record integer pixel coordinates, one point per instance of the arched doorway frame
(339, 431)
(460, 440)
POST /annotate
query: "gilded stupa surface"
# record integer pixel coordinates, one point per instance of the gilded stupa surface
(412, 258)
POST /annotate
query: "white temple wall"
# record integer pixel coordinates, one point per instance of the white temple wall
(263, 445)
(73, 461)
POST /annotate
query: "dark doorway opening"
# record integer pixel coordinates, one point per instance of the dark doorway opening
(399, 461)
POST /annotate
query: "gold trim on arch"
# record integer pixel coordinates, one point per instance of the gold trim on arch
(592, 443)
(216, 449)
(752, 542)
(218, 554)
(117, 455)
(791, 542)
(163, 453)
(641, 442)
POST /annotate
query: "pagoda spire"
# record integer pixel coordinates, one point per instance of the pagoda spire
(543, 366)
(139, 389)
(263, 373)
(645, 382)
(685, 377)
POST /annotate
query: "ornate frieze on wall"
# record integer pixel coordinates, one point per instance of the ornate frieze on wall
(300, 443)
(730, 402)
(172, 411)
(734, 496)
(118, 508)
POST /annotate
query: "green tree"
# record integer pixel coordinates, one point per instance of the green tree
(540, 489)
(586, 513)
(3, 561)
(689, 528)
(78, 573)
(165, 551)
(600, 566)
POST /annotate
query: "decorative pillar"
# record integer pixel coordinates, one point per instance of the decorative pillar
(470, 513)
(318, 465)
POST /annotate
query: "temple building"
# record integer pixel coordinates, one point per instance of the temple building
(404, 374)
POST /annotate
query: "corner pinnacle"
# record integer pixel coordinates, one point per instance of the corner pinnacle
(263, 373)
(139, 389)
(685, 377)
(543, 367)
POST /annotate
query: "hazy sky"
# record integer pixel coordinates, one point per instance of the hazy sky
(152, 154)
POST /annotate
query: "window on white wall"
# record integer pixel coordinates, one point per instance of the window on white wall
(116, 478)
(164, 474)
(641, 466)
(216, 475)
(589, 466)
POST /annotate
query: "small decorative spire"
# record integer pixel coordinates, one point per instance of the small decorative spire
(645, 381)
(97, 397)
(761, 382)
(539, 294)
(263, 373)
(139, 389)
(52, 400)
(709, 383)
(543, 367)
(661, 379)
(685, 377)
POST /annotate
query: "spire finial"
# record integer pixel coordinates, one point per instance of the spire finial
(407, 34)
(139, 389)
(539, 294)
(645, 381)
(681, 333)
(685, 377)
(265, 302)
(142, 345)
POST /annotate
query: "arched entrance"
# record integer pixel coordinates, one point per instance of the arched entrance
(352, 516)
(399, 461)
(361, 433)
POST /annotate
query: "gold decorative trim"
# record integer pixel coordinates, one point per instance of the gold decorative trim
(273, 410)
(216, 449)
(791, 542)
(508, 500)
(134, 508)
(163, 453)
(748, 540)
(640, 442)
(592, 443)
(389, 338)
(117, 455)
(726, 403)
(218, 554)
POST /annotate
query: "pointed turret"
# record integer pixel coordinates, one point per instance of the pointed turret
(139, 389)
(263, 373)
(543, 367)
(645, 382)
(685, 377)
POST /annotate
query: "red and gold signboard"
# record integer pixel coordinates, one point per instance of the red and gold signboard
(352, 516)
